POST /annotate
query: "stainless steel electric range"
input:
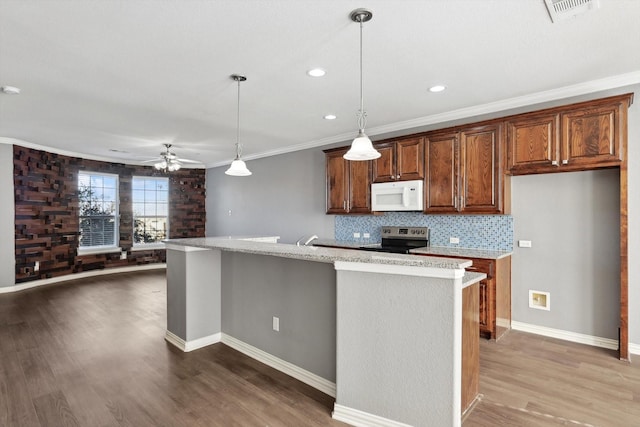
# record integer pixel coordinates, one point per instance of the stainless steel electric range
(401, 240)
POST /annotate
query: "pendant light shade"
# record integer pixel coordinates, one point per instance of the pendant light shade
(361, 147)
(238, 166)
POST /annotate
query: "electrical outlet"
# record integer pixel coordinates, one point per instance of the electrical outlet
(356, 235)
(524, 243)
(366, 235)
(276, 324)
(454, 240)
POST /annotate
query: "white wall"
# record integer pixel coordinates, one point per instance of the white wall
(7, 217)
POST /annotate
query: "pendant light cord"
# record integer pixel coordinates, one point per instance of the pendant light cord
(238, 125)
(362, 116)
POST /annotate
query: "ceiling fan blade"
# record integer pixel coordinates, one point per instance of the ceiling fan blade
(188, 161)
(152, 160)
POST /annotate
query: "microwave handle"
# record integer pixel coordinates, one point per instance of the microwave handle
(405, 196)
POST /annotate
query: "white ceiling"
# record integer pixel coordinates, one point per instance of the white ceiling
(130, 75)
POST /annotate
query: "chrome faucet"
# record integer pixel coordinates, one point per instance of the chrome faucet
(306, 243)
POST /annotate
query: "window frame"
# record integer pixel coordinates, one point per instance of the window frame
(101, 249)
(154, 245)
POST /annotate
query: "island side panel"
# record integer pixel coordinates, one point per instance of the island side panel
(302, 294)
(399, 347)
(194, 295)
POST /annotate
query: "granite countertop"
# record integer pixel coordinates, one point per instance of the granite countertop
(431, 250)
(316, 253)
(461, 252)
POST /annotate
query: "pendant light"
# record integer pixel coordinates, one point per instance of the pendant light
(361, 147)
(238, 166)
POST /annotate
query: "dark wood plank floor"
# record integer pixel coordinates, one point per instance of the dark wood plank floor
(91, 352)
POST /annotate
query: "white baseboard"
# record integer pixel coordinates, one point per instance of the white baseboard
(566, 335)
(359, 418)
(81, 275)
(188, 346)
(634, 348)
(290, 369)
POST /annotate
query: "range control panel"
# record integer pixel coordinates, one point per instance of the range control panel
(413, 233)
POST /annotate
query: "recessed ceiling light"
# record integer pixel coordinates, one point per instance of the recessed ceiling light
(437, 88)
(10, 90)
(330, 117)
(316, 72)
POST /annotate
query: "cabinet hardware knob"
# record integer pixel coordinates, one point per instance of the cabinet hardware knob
(398, 177)
(565, 162)
(554, 163)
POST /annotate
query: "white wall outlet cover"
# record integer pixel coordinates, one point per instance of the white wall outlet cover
(276, 324)
(356, 235)
(524, 243)
(454, 240)
(539, 300)
(366, 235)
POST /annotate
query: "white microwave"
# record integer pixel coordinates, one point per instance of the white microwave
(397, 196)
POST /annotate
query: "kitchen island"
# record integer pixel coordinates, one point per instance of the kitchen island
(383, 333)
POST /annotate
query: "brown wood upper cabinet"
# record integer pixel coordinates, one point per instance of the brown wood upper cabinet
(400, 160)
(348, 184)
(463, 171)
(575, 137)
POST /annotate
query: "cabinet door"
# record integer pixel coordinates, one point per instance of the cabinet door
(410, 159)
(337, 182)
(441, 170)
(384, 167)
(591, 136)
(484, 306)
(359, 200)
(532, 143)
(480, 171)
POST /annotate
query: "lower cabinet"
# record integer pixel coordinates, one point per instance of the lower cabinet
(494, 295)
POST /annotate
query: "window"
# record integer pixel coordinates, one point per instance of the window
(150, 198)
(98, 203)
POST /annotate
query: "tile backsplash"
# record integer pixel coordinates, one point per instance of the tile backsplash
(489, 232)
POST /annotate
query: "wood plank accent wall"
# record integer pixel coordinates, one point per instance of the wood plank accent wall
(46, 213)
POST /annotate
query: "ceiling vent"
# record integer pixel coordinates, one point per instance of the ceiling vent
(560, 10)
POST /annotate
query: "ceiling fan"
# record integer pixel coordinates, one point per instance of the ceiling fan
(168, 161)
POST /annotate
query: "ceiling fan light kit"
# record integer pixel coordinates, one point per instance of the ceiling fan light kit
(169, 161)
(238, 167)
(361, 147)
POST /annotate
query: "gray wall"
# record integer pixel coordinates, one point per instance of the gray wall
(573, 222)
(285, 197)
(7, 217)
(255, 288)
